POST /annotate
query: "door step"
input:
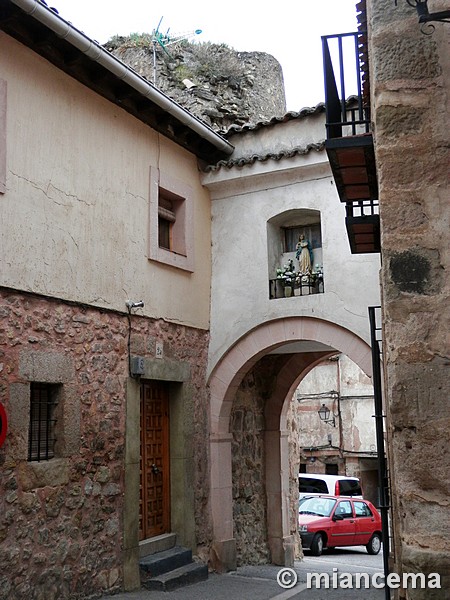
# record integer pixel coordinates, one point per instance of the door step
(157, 544)
(171, 569)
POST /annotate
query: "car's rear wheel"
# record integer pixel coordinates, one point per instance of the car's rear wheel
(374, 545)
(317, 545)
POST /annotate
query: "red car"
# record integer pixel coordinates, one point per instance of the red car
(330, 521)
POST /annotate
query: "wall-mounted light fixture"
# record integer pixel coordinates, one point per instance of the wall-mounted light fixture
(130, 304)
(324, 415)
(425, 17)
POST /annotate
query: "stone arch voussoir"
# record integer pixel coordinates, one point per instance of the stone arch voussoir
(243, 355)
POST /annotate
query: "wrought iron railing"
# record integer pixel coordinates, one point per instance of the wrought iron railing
(305, 286)
(362, 222)
(375, 322)
(42, 423)
(362, 208)
(347, 108)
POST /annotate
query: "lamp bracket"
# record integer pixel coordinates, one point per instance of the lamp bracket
(425, 17)
(324, 415)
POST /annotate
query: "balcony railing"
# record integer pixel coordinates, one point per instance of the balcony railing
(363, 226)
(349, 144)
(305, 286)
(347, 111)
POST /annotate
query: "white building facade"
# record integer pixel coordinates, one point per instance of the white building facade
(276, 187)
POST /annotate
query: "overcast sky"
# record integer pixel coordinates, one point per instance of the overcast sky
(290, 31)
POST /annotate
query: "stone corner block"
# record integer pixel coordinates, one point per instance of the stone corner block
(223, 556)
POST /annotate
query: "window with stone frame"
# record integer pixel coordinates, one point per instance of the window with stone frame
(43, 423)
(171, 221)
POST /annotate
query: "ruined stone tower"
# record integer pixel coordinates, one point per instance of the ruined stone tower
(219, 85)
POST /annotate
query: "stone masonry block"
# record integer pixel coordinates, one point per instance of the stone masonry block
(405, 216)
(45, 367)
(394, 121)
(18, 415)
(166, 370)
(427, 561)
(421, 393)
(384, 12)
(400, 58)
(71, 420)
(399, 168)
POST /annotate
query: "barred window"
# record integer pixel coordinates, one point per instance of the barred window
(42, 437)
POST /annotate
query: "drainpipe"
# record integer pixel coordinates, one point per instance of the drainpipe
(341, 432)
(95, 52)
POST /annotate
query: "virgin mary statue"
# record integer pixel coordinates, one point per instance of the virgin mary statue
(304, 255)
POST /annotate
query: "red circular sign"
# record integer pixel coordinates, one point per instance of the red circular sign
(3, 424)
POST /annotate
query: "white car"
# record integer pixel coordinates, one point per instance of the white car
(315, 484)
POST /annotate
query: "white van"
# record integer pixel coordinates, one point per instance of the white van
(312, 484)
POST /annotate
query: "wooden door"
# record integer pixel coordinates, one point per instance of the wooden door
(154, 506)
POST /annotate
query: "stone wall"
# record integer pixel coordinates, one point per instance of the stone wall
(61, 521)
(410, 102)
(249, 490)
(216, 83)
(249, 469)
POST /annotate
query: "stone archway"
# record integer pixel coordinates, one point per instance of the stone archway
(224, 382)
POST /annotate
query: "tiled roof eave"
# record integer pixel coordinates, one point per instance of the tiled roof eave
(42, 30)
(289, 116)
(249, 160)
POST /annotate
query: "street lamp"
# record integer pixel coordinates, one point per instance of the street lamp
(324, 415)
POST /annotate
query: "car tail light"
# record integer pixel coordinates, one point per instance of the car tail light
(337, 491)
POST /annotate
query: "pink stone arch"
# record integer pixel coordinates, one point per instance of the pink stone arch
(224, 382)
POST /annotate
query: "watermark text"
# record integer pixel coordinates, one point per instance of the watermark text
(287, 578)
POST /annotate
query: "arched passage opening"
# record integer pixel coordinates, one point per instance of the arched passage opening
(342, 442)
(299, 343)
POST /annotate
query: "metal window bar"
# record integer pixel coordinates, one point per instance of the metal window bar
(339, 112)
(43, 402)
(359, 94)
(306, 287)
(383, 480)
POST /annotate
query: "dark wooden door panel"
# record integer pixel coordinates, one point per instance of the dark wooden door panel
(154, 514)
